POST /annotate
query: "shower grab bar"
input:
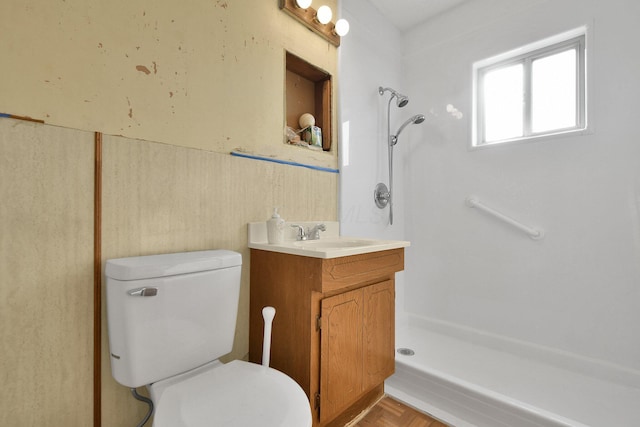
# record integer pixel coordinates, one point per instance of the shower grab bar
(535, 234)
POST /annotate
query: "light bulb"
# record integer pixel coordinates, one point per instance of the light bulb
(303, 3)
(324, 14)
(342, 27)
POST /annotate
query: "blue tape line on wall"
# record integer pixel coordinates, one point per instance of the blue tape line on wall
(284, 162)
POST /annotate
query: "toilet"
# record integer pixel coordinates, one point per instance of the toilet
(170, 318)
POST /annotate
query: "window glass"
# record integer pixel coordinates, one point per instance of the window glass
(553, 92)
(503, 103)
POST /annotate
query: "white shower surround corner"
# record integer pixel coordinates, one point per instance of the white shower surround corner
(570, 301)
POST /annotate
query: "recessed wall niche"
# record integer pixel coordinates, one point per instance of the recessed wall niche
(308, 90)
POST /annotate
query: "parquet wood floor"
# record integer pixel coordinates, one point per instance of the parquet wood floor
(391, 413)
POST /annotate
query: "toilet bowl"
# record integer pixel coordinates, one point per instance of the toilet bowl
(170, 318)
(236, 394)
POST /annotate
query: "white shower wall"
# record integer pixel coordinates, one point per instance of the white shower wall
(578, 289)
(364, 111)
(369, 57)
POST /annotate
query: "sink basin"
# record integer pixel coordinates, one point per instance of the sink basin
(334, 243)
(330, 244)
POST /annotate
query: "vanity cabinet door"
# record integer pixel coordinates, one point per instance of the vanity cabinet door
(341, 352)
(378, 333)
(357, 345)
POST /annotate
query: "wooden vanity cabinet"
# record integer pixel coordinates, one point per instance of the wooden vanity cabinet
(334, 326)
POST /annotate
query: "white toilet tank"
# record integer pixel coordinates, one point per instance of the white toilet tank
(170, 313)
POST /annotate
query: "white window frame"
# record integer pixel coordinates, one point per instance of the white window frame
(526, 55)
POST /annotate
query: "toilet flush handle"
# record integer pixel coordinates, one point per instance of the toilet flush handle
(268, 313)
(143, 292)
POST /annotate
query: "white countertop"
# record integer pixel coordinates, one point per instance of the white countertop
(330, 245)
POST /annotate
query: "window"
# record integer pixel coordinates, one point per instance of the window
(535, 91)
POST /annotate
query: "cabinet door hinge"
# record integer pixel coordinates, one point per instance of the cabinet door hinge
(317, 402)
(318, 323)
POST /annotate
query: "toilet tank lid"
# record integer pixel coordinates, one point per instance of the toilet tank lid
(150, 266)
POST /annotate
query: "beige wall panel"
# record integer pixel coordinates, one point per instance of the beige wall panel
(205, 74)
(208, 75)
(46, 275)
(160, 198)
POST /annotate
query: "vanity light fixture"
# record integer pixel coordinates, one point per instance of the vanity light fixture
(304, 4)
(342, 27)
(317, 21)
(324, 14)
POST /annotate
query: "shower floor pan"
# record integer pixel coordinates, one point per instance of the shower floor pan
(456, 377)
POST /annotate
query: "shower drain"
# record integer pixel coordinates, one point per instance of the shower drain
(406, 352)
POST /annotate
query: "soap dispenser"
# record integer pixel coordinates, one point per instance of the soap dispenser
(275, 228)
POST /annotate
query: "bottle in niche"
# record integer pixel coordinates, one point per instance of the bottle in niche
(275, 228)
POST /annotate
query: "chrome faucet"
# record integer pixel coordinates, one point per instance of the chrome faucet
(310, 233)
(302, 234)
(313, 233)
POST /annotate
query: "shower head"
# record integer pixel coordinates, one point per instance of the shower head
(417, 119)
(401, 100)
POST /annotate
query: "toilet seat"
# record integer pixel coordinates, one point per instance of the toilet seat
(236, 394)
